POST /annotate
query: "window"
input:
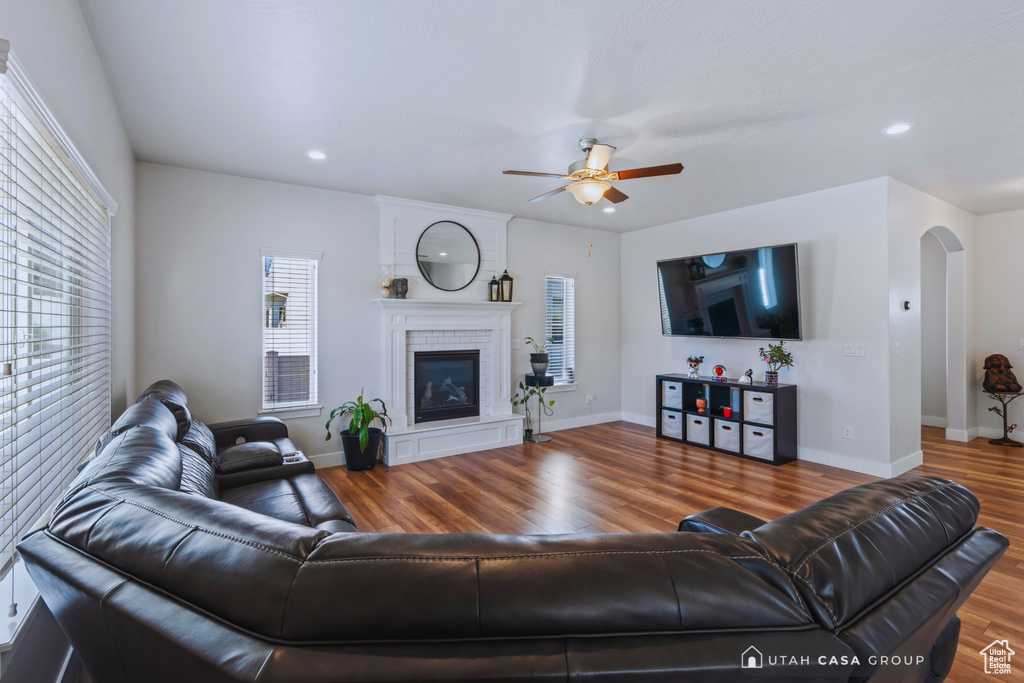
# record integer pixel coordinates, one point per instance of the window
(560, 327)
(289, 330)
(54, 314)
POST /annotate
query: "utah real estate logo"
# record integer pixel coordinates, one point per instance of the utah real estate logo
(997, 656)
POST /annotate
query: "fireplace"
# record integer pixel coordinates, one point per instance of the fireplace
(446, 385)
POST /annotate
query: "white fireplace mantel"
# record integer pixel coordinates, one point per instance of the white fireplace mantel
(482, 324)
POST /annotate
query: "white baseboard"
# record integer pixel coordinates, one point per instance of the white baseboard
(580, 421)
(962, 435)
(930, 421)
(335, 459)
(637, 418)
(906, 463)
(875, 468)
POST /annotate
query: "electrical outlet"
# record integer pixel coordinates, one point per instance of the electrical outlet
(847, 432)
(590, 398)
(856, 350)
(515, 345)
(1021, 342)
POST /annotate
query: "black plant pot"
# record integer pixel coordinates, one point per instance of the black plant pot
(365, 460)
(540, 362)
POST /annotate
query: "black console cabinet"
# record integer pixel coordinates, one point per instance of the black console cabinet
(762, 425)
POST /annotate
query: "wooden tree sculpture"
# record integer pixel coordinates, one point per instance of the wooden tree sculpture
(1001, 385)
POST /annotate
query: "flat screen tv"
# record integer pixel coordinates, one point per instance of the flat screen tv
(753, 294)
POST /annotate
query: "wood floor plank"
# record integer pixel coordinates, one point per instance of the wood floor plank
(617, 477)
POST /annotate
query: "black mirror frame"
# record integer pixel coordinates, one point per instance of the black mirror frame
(479, 256)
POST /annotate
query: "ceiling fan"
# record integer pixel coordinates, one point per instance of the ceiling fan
(591, 178)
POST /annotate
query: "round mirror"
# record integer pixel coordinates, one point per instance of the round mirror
(448, 255)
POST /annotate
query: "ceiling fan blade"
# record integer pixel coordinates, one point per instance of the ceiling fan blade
(599, 157)
(667, 169)
(615, 195)
(548, 194)
(542, 175)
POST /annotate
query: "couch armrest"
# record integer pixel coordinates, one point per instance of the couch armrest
(252, 455)
(720, 521)
(253, 429)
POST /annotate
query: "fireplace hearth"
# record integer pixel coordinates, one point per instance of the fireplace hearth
(446, 385)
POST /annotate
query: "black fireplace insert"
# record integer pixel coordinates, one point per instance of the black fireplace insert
(446, 385)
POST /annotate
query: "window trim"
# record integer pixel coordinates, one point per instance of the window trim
(569, 385)
(311, 408)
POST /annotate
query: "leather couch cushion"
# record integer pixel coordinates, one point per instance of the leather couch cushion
(197, 477)
(172, 396)
(720, 521)
(200, 439)
(304, 499)
(849, 550)
(248, 456)
(142, 455)
(149, 413)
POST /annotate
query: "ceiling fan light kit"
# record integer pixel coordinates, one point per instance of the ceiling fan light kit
(588, 191)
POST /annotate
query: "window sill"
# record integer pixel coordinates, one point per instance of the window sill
(296, 412)
(558, 388)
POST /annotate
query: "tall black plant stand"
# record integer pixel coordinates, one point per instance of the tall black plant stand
(540, 381)
(1004, 398)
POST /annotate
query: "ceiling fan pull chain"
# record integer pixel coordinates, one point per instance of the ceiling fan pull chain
(590, 228)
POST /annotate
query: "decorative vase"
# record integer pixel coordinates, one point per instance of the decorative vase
(771, 379)
(702, 403)
(540, 362)
(401, 286)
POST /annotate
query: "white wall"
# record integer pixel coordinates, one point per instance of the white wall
(912, 213)
(535, 249)
(842, 238)
(933, 331)
(52, 43)
(199, 308)
(1000, 311)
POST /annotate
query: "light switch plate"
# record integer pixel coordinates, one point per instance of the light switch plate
(1021, 342)
(515, 344)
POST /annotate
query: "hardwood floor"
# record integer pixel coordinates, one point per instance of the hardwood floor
(618, 477)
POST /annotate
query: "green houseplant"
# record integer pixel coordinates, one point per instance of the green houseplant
(539, 359)
(522, 398)
(360, 441)
(702, 403)
(777, 357)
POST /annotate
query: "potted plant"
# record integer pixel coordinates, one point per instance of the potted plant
(539, 359)
(694, 363)
(522, 398)
(360, 441)
(726, 411)
(702, 402)
(777, 357)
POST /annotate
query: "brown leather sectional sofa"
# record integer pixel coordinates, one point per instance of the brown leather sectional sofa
(158, 569)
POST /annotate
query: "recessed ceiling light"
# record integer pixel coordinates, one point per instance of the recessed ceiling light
(609, 209)
(897, 128)
(316, 155)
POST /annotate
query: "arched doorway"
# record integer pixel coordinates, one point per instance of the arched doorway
(944, 332)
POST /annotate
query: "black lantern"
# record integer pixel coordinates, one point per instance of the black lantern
(506, 287)
(494, 289)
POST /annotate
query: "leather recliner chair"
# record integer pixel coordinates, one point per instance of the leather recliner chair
(154, 579)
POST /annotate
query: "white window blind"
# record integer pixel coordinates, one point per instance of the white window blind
(560, 327)
(54, 317)
(289, 331)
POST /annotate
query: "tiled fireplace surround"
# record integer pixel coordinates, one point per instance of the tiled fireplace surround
(412, 325)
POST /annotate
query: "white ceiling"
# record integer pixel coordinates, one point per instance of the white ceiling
(432, 99)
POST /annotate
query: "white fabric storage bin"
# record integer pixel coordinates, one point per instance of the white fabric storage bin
(671, 424)
(758, 442)
(698, 429)
(672, 395)
(758, 406)
(727, 436)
